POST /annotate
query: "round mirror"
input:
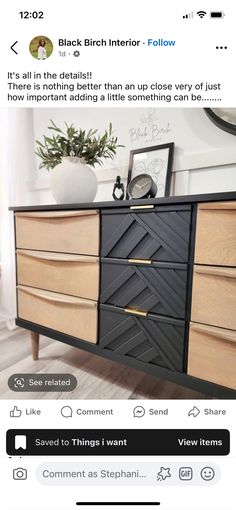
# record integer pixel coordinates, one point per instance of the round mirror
(223, 118)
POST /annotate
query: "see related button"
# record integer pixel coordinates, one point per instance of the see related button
(42, 382)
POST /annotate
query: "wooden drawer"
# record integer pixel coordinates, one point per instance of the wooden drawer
(216, 234)
(74, 316)
(77, 275)
(147, 232)
(59, 231)
(155, 287)
(152, 339)
(214, 296)
(212, 355)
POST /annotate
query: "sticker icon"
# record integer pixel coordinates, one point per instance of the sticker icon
(163, 474)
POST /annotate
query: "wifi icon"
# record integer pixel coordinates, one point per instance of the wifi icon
(201, 14)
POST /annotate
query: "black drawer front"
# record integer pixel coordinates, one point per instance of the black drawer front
(162, 234)
(152, 340)
(153, 288)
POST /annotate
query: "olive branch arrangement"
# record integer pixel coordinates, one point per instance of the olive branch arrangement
(79, 143)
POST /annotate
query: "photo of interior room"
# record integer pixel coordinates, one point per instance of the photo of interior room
(118, 251)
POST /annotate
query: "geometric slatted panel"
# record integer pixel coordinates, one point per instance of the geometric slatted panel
(151, 341)
(152, 289)
(161, 235)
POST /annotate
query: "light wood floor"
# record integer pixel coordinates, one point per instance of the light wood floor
(98, 378)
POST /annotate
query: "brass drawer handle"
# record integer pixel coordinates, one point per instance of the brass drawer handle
(140, 261)
(216, 271)
(136, 312)
(222, 334)
(56, 214)
(58, 257)
(142, 206)
(57, 298)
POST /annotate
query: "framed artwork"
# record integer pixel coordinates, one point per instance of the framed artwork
(155, 161)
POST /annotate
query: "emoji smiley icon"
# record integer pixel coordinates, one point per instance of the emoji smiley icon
(207, 473)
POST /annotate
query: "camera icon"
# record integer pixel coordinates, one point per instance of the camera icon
(19, 474)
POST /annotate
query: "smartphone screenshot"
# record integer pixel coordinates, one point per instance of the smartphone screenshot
(117, 255)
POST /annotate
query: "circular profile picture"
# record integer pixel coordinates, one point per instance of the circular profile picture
(41, 47)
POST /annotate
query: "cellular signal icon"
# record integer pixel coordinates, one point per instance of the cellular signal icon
(188, 16)
(201, 14)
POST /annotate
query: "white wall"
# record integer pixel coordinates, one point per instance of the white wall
(15, 161)
(205, 156)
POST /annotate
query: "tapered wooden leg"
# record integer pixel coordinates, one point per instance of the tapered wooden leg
(35, 345)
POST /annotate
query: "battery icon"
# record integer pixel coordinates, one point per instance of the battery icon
(217, 14)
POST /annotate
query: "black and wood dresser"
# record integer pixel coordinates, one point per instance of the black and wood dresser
(148, 283)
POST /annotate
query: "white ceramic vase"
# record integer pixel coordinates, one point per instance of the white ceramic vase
(72, 181)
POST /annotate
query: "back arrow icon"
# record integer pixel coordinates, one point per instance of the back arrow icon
(12, 47)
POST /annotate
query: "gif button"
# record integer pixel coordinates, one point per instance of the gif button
(185, 473)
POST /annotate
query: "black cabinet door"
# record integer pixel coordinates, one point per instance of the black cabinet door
(158, 288)
(160, 234)
(152, 340)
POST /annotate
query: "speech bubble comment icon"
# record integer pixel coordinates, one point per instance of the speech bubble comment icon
(20, 442)
(66, 412)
